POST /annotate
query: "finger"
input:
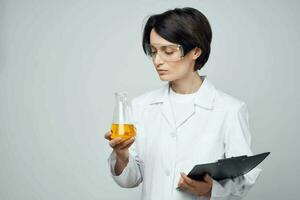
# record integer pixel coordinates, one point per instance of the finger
(184, 186)
(180, 181)
(207, 178)
(107, 135)
(113, 143)
(127, 143)
(203, 187)
(188, 180)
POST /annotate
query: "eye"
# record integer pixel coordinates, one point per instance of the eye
(169, 52)
(152, 50)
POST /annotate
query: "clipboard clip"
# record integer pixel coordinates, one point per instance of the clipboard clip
(233, 158)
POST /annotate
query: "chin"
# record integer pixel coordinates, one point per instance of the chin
(164, 78)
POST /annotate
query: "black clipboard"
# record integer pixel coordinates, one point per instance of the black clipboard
(228, 167)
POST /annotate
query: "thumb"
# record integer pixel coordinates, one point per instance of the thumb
(207, 178)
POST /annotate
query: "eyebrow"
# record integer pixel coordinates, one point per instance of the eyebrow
(161, 45)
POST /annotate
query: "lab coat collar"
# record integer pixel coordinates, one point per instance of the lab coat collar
(204, 98)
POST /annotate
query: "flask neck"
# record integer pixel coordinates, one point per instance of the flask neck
(122, 109)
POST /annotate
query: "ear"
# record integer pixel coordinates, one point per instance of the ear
(197, 53)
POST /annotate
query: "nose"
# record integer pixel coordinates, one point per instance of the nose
(157, 59)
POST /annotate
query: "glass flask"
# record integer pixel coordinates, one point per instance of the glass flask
(122, 125)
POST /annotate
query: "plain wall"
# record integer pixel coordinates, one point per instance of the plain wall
(62, 61)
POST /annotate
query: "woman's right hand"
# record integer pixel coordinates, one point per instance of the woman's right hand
(120, 146)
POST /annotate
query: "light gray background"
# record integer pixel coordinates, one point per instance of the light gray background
(61, 62)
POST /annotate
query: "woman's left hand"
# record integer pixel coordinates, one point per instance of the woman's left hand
(199, 188)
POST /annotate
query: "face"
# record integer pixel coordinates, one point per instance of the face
(172, 70)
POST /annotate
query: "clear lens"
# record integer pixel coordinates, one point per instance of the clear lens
(167, 52)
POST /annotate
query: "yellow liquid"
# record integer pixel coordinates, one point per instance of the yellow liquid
(125, 131)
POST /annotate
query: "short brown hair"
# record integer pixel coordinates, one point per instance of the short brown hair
(185, 26)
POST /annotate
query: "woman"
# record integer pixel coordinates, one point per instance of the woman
(187, 122)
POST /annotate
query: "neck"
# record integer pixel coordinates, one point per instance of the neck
(188, 84)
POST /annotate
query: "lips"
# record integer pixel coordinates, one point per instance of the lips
(162, 71)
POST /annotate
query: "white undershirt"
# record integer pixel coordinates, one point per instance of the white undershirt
(182, 105)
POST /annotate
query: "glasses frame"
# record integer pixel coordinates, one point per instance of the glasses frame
(158, 49)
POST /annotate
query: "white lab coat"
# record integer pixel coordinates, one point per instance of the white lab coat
(217, 127)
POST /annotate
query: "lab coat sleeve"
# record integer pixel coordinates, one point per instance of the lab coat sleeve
(131, 176)
(237, 142)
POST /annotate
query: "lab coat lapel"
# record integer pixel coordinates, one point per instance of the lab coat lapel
(205, 95)
(162, 99)
(166, 108)
(166, 111)
(204, 99)
(190, 112)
